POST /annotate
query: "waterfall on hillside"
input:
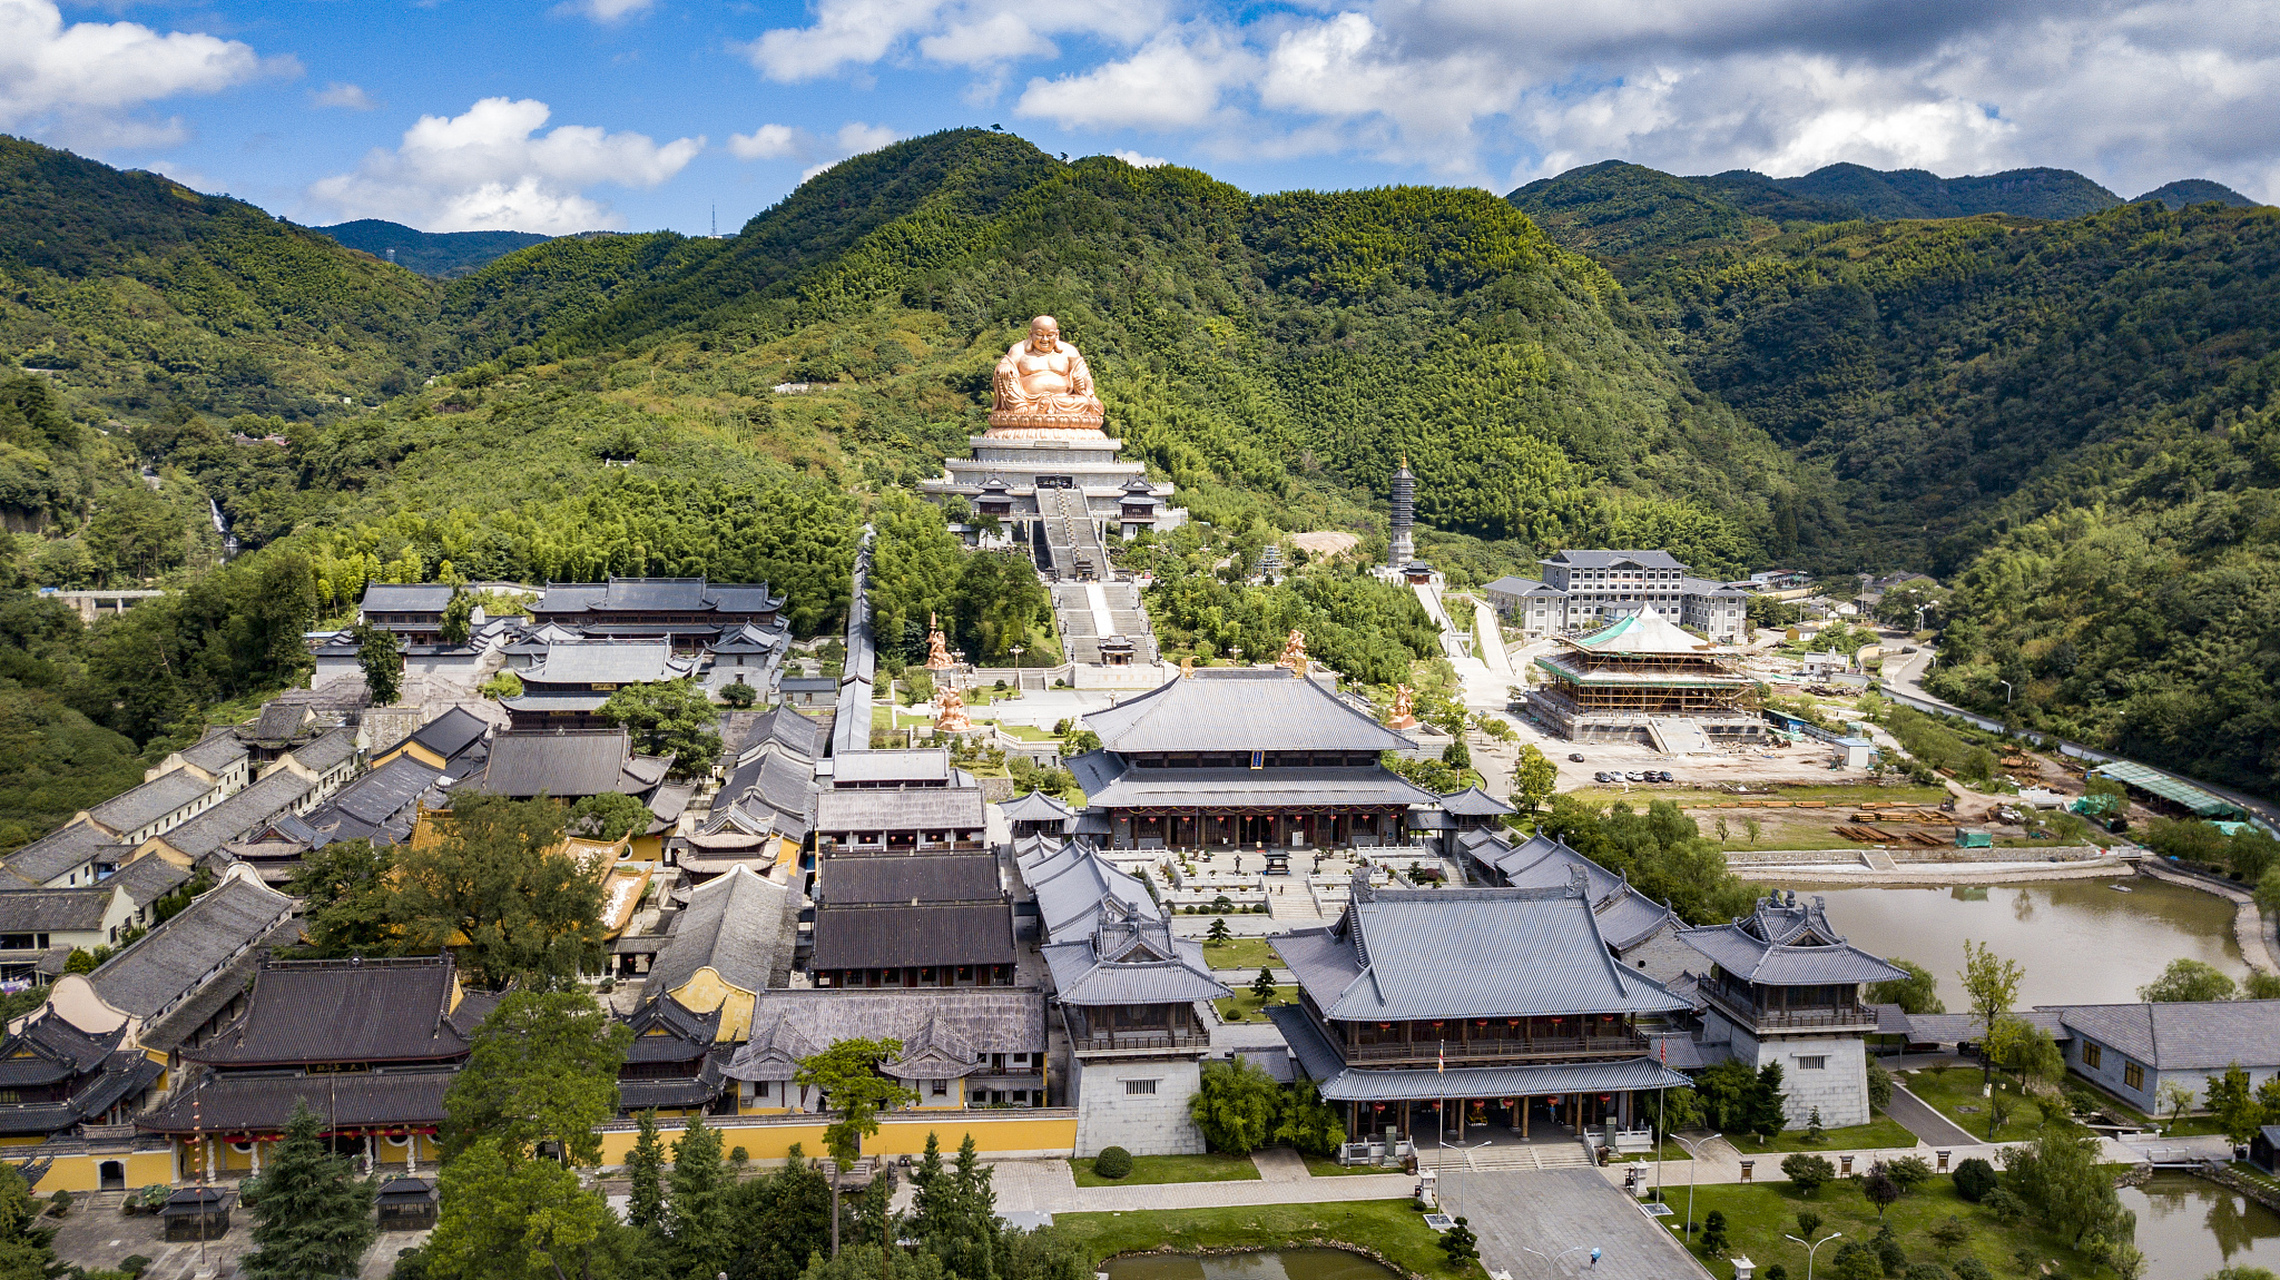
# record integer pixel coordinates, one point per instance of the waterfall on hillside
(222, 527)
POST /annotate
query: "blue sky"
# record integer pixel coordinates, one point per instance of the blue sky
(640, 114)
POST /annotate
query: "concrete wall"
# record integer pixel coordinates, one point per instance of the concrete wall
(1146, 1125)
(1839, 1088)
(1004, 1134)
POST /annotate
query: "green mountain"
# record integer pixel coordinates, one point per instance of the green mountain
(431, 253)
(2177, 195)
(1914, 193)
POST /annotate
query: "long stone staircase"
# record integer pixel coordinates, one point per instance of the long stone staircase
(1092, 611)
(1072, 545)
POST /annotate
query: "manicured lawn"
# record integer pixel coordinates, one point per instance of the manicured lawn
(1248, 954)
(1951, 1089)
(1247, 1005)
(1390, 1227)
(1757, 1217)
(1882, 1131)
(1151, 1170)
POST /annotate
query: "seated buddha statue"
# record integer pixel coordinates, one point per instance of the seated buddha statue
(1043, 387)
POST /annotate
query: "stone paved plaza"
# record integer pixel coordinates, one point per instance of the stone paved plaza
(1557, 1209)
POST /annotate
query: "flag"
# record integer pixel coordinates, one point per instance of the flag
(1441, 1057)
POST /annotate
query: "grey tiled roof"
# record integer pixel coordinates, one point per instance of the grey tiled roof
(2196, 1036)
(1512, 586)
(450, 733)
(893, 937)
(327, 752)
(58, 853)
(138, 807)
(1341, 1084)
(1785, 943)
(237, 816)
(607, 662)
(1241, 709)
(1953, 1028)
(1472, 802)
(656, 595)
(339, 1011)
(790, 1025)
(930, 765)
(1603, 559)
(1462, 953)
(1131, 959)
(1626, 916)
(147, 879)
(1075, 884)
(891, 809)
(186, 951)
(586, 763)
(1034, 806)
(218, 750)
(847, 880)
(54, 910)
(384, 792)
(736, 925)
(407, 597)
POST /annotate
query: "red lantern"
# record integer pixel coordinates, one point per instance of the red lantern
(1606, 1097)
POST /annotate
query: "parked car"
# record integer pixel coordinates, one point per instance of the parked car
(1634, 776)
(1576, 756)
(1666, 776)
(1600, 776)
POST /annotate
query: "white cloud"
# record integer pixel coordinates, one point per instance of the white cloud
(607, 11)
(1138, 161)
(768, 142)
(2131, 92)
(77, 83)
(349, 96)
(854, 139)
(490, 169)
(1173, 81)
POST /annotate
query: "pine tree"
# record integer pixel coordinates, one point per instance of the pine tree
(313, 1217)
(645, 1168)
(1263, 986)
(930, 1194)
(1767, 1105)
(697, 1218)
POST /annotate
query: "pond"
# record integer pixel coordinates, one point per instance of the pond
(1283, 1264)
(2078, 941)
(2189, 1228)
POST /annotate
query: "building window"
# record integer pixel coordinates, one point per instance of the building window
(2092, 1052)
(1816, 1062)
(1139, 1088)
(2133, 1076)
(938, 1088)
(759, 1088)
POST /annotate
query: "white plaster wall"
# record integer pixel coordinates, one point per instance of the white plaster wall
(1153, 1125)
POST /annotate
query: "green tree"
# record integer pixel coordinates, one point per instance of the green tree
(1768, 1106)
(1991, 983)
(853, 1087)
(1534, 779)
(1880, 1189)
(312, 1217)
(2058, 1175)
(25, 1251)
(2026, 1050)
(2187, 980)
(738, 694)
(699, 1218)
(671, 717)
(380, 655)
(1219, 932)
(610, 815)
(2175, 1097)
(1263, 986)
(458, 618)
(1808, 1173)
(2233, 1102)
(506, 684)
(1918, 992)
(1457, 755)
(348, 899)
(508, 1217)
(1311, 1126)
(1235, 1107)
(500, 888)
(80, 960)
(645, 1176)
(1463, 1247)
(543, 1068)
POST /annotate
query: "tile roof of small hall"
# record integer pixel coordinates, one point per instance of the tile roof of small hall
(1241, 709)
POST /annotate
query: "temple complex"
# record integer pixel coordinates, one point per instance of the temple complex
(1047, 471)
(1643, 679)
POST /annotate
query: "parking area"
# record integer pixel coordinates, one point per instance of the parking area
(1547, 1223)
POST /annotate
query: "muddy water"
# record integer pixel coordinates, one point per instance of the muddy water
(2188, 1228)
(2079, 941)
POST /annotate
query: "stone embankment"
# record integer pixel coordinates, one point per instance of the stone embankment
(2252, 929)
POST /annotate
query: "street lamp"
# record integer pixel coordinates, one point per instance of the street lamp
(1441, 1155)
(2006, 691)
(1813, 1248)
(1693, 1162)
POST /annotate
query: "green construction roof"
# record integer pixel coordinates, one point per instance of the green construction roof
(2191, 798)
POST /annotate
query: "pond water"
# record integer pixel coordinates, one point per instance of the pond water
(2189, 1228)
(2078, 941)
(1282, 1264)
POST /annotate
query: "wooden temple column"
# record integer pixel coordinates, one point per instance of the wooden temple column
(1527, 1105)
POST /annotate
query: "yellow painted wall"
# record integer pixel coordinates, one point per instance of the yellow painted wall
(416, 752)
(84, 1172)
(995, 1133)
(706, 991)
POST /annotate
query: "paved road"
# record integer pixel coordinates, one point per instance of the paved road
(1556, 1210)
(1922, 1119)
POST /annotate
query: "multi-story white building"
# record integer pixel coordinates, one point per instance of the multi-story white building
(1585, 589)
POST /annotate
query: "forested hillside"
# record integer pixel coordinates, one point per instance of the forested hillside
(431, 253)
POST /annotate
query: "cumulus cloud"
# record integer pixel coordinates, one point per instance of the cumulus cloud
(607, 11)
(491, 169)
(783, 142)
(78, 83)
(1138, 161)
(347, 96)
(2132, 92)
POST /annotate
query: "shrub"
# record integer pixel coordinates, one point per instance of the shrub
(1809, 1173)
(1974, 1178)
(2005, 1205)
(1927, 1271)
(1968, 1268)
(134, 1264)
(1714, 1234)
(1856, 1261)
(1462, 1246)
(1889, 1253)
(1910, 1172)
(59, 1204)
(1112, 1162)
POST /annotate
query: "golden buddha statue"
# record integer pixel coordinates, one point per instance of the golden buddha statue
(953, 717)
(1294, 657)
(1044, 388)
(1404, 709)
(937, 646)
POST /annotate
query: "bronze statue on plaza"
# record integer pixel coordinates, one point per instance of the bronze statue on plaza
(1043, 388)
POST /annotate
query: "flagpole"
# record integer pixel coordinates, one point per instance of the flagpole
(1662, 1059)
